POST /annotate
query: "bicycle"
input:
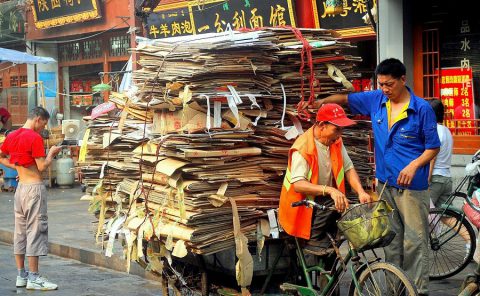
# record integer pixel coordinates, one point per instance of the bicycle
(369, 277)
(471, 284)
(451, 231)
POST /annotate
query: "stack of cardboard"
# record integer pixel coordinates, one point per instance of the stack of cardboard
(220, 113)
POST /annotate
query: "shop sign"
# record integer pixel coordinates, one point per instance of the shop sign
(12, 22)
(348, 23)
(52, 13)
(456, 93)
(194, 17)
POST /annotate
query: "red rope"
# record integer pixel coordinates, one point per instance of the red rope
(306, 51)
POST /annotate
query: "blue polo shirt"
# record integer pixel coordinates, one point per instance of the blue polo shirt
(407, 139)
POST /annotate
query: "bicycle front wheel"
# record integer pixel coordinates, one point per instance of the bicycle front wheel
(452, 243)
(383, 278)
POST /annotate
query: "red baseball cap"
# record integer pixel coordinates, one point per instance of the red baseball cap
(334, 114)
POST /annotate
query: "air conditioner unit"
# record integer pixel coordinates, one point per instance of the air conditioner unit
(71, 130)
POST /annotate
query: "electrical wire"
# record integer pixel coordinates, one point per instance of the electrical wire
(90, 94)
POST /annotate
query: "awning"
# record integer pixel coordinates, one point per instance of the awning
(18, 57)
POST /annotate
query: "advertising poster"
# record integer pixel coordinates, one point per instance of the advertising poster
(456, 93)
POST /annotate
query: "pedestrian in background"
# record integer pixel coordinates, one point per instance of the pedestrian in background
(406, 140)
(24, 151)
(440, 179)
(5, 119)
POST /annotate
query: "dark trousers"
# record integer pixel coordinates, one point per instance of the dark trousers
(323, 222)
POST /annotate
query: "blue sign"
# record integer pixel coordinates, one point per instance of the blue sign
(49, 83)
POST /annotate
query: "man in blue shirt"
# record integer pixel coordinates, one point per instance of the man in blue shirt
(406, 139)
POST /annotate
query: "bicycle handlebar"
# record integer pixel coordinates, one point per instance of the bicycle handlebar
(312, 204)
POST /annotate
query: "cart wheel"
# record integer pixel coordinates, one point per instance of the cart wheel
(205, 284)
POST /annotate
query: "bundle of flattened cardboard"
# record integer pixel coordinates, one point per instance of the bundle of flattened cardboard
(195, 157)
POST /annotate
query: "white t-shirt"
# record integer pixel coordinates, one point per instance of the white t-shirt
(300, 168)
(444, 157)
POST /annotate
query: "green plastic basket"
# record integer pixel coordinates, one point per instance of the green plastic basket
(368, 225)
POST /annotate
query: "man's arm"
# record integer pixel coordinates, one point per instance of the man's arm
(354, 181)
(5, 161)
(406, 175)
(44, 162)
(307, 188)
(341, 99)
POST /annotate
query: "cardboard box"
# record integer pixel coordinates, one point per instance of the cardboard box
(187, 119)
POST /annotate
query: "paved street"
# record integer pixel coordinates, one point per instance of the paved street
(74, 278)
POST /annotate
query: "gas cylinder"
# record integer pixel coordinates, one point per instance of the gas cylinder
(65, 173)
(9, 178)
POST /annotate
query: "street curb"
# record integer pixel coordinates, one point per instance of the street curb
(88, 257)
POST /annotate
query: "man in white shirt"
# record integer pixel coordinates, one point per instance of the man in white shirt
(440, 179)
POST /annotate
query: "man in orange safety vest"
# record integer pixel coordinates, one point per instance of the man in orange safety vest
(317, 166)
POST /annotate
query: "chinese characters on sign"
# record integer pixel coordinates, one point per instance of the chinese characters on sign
(347, 23)
(51, 13)
(456, 93)
(465, 43)
(170, 23)
(191, 18)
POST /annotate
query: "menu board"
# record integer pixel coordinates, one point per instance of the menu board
(456, 93)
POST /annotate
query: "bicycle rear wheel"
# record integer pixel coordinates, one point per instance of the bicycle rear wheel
(383, 278)
(450, 233)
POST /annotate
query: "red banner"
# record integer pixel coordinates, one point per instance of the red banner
(456, 93)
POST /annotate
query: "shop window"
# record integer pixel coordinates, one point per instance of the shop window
(14, 81)
(119, 45)
(14, 100)
(92, 49)
(69, 51)
(431, 63)
(23, 80)
(18, 81)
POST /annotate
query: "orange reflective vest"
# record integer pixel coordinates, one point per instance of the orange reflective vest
(297, 221)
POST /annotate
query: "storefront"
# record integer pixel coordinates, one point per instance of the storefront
(447, 66)
(80, 65)
(86, 38)
(13, 96)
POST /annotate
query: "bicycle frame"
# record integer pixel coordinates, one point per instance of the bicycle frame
(449, 224)
(360, 269)
(333, 278)
(448, 205)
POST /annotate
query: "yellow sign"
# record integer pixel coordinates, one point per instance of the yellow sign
(83, 149)
(54, 13)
